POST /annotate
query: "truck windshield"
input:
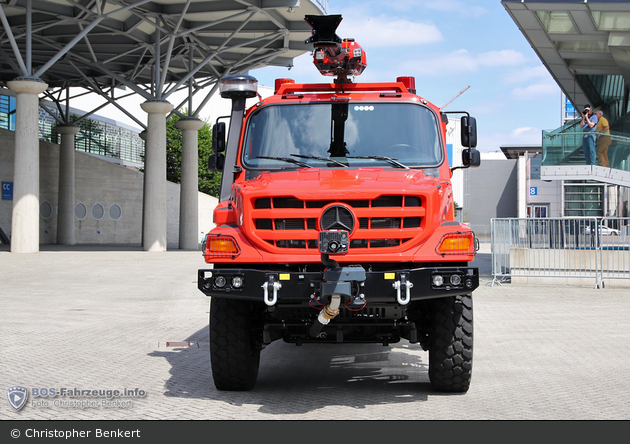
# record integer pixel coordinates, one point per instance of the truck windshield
(342, 132)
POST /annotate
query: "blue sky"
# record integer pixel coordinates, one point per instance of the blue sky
(448, 45)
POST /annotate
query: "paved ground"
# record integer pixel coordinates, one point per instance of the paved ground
(97, 319)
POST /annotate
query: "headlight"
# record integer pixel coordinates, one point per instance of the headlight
(237, 281)
(438, 280)
(220, 281)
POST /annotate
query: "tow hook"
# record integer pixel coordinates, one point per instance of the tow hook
(324, 317)
(272, 286)
(398, 285)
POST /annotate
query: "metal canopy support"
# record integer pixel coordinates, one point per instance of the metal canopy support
(258, 33)
(11, 38)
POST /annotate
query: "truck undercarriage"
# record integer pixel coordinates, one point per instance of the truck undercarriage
(240, 329)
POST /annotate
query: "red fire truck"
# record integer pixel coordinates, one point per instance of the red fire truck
(335, 222)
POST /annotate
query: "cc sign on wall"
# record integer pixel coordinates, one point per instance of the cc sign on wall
(7, 190)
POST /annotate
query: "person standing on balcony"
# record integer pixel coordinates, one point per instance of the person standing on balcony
(589, 125)
(603, 142)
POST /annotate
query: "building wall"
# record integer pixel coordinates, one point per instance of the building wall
(97, 181)
(493, 194)
(547, 193)
(453, 138)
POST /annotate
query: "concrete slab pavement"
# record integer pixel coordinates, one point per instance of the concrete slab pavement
(92, 318)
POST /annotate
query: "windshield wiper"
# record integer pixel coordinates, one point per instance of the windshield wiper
(324, 159)
(286, 159)
(387, 159)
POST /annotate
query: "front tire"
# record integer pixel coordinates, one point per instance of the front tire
(233, 354)
(451, 344)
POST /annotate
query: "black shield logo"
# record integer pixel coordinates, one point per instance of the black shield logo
(17, 396)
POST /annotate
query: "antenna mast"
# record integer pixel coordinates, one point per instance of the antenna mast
(460, 93)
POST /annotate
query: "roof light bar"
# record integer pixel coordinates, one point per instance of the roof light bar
(238, 85)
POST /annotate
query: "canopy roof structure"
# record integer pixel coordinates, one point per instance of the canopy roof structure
(583, 43)
(151, 47)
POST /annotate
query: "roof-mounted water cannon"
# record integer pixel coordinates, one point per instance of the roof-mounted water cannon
(334, 56)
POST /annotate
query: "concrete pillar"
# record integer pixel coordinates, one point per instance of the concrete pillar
(25, 218)
(143, 136)
(154, 207)
(521, 186)
(189, 197)
(65, 217)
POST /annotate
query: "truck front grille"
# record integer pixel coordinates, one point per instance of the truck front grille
(383, 222)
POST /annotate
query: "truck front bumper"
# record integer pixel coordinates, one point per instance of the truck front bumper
(402, 286)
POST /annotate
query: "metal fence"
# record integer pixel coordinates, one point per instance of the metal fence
(614, 248)
(585, 247)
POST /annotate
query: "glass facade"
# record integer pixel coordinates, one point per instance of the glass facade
(582, 199)
(556, 22)
(95, 136)
(583, 46)
(7, 112)
(607, 92)
(535, 164)
(611, 20)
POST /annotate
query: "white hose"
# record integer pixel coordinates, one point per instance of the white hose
(330, 311)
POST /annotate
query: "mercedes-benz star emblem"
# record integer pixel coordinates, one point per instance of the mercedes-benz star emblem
(337, 218)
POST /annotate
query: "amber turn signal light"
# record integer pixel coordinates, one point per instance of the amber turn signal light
(457, 243)
(221, 246)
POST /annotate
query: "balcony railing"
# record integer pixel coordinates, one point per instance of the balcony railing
(565, 149)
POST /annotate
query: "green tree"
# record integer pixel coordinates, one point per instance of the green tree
(209, 182)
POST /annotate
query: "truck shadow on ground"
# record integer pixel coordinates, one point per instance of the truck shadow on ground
(298, 380)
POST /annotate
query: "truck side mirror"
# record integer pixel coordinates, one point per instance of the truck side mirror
(216, 162)
(218, 137)
(471, 158)
(469, 132)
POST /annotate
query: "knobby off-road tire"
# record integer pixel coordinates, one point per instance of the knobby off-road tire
(451, 344)
(233, 355)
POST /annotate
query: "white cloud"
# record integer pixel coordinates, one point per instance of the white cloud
(536, 91)
(525, 135)
(454, 6)
(519, 131)
(448, 6)
(505, 57)
(462, 60)
(488, 106)
(525, 74)
(382, 31)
